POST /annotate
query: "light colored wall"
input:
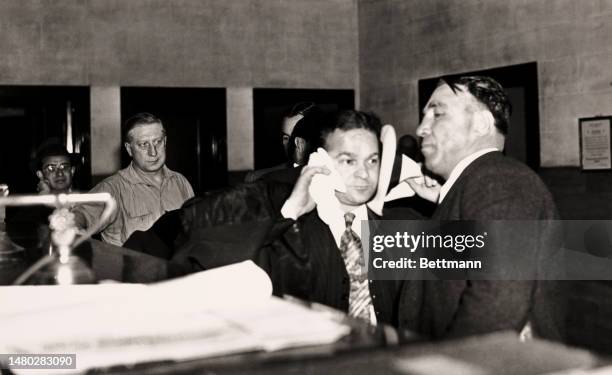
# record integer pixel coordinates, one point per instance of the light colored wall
(105, 129)
(404, 41)
(214, 43)
(182, 43)
(240, 128)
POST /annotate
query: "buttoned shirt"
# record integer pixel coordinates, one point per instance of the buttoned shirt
(140, 201)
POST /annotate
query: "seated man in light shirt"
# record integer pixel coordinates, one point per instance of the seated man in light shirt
(145, 190)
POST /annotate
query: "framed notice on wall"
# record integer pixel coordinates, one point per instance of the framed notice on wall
(595, 150)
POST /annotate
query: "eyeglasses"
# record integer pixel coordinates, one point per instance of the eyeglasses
(52, 168)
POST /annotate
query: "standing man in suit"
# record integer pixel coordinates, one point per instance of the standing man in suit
(304, 140)
(293, 142)
(463, 132)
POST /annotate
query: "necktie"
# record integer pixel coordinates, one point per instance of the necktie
(351, 250)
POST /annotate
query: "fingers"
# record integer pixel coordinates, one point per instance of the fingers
(300, 201)
(421, 181)
(430, 182)
(426, 187)
(43, 187)
(312, 170)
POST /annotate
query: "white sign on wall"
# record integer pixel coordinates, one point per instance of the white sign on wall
(595, 150)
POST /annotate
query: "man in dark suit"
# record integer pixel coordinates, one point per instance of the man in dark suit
(326, 274)
(463, 131)
(294, 143)
(304, 140)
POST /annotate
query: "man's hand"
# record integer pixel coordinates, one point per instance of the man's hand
(429, 189)
(300, 201)
(43, 186)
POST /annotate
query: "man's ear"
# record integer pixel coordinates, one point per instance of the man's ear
(300, 144)
(484, 123)
(128, 148)
(39, 174)
(72, 170)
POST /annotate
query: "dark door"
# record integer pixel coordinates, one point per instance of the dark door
(195, 123)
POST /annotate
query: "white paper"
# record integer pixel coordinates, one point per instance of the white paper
(222, 311)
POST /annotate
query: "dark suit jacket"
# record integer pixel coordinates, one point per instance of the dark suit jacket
(319, 273)
(286, 176)
(493, 187)
(255, 175)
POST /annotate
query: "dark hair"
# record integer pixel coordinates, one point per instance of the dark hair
(300, 108)
(48, 149)
(488, 92)
(142, 118)
(348, 120)
(307, 128)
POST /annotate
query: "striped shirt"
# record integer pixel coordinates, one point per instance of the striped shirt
(140, 201)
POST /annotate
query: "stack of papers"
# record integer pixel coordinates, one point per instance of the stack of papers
(218, 312)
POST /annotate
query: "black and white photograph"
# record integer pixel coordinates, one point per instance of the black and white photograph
(413, 187)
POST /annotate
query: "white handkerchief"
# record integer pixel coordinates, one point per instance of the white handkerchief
(410, 169)
(323, 187)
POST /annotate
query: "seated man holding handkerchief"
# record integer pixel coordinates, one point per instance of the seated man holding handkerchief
(342, 185)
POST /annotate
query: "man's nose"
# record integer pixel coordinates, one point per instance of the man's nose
(152, 150)
(362, 172)
(423, 129)
(59, 172)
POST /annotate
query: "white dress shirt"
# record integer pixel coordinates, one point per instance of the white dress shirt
(459, 168)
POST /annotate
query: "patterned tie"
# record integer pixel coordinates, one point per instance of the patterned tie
(352, 253)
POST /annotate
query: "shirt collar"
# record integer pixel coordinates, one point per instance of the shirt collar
(459, 168)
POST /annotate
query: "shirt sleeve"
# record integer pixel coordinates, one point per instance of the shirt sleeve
(185, 187)
(92, 211)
